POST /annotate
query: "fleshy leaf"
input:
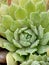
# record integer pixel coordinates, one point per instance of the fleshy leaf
(28, 31)
(20, 14)
(11, 10)
(2, 41)
(2, 30)
(42, 49)
(7, 19)
(16, 44)
(16, 34)
(25, 43)
(10, 60)
(22, 30)
(44, 19)
(9, 35)
(35, 18)
(23, 38)
(27, 63)
(17, 57)
(35, 44)
(45, 39)
(3, 9)
(34, 29)
(23, 2)
(30, 7)
(9, 46)
(35, 63)
(16, 24)
(21, 52)
(41, 32)
(33, 38)
(40, 6)
(29, 50)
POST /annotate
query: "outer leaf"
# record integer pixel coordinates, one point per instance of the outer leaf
(41, 32)
(35, 44)
(3, 9)
(30, 7)
(35, 18)
(21, 52)
(34, 29)
(42, 49)
(23, 2)
(2, 41)
(41, 7)
(11, 10)
(10, 60)
(9, 35)
(9, 46)
(2, 30)
(44, 19)
(5, 20)
(29, 50)
(16, 34)
(35, 63)
(45, 39)
(20, 14)
(16, 44)
(17, 57)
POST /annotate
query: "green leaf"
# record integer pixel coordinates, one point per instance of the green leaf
(9, 35)
(26, 51)
(34, 29)
(17, 57)
(20, 14)
(45, 39)
(9, 46)
(5, 20)
(24, 63)
(35, 63)
(25, 43)
(16, 34)
(3, 9)
(40, 6)
(23, 2)
(23, 38)
(30, 7)
(35, 18)
(29, 50)
(2, 30)
(2, 41)
(27, 63)
(44, 58)
(21, 52)
(16, 44)
(10, 60)
(42, 49)
(44, 19)
(41, 32)
(38, 57)
(33, 38)
(28, 31)
(36, 1)
(47, 28)
(11, 10)
(35, 44)
(43, 63)
(26, 22)
(22, 30)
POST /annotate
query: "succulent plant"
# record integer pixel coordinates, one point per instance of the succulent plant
(26, 32)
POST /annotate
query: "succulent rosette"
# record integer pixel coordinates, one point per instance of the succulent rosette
(25, 29)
